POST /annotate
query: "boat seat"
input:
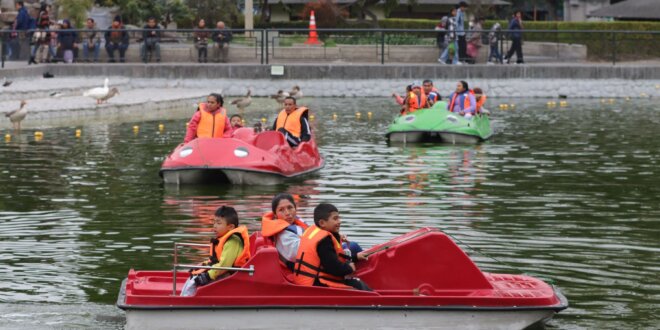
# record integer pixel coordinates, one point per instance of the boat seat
(244, 133)
(269, 139)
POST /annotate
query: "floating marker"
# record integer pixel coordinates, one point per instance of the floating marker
(78, 133)
(602, 101)
(334, 116)
(38, 135)
(369, 114)
(243, 122)
(187, 124)
(136, 129)
(161, 127)
(7, 137)
(358, 115)
(263, 120)
(512, 105)
(627, 98)
(311, 117)
(643, 95)
(610, 101)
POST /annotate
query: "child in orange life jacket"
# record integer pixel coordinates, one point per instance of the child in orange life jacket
(480, 97)
(236, 122)
(321, 260)
(402, 100)
(230, 248)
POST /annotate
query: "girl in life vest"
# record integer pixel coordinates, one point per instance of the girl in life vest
(462, 101)
(230, 248)
(480, 97)
(416, 99)
(210, 121)
(284, 227)
(321, 260)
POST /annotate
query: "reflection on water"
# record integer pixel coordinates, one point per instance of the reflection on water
(566, 194)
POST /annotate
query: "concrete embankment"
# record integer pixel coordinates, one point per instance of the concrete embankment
(166, 86)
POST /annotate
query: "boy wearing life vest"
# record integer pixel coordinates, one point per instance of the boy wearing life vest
(210, 120)
(432, 94)
(462, 101)
(321, 259)
(236, 122)
(416, 99)
(292, 121)
(230, 248)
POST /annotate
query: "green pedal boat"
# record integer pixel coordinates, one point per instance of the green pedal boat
(436, 124)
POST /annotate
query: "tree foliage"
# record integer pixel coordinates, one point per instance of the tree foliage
(138, 11)
(327, 13)
(75, 10)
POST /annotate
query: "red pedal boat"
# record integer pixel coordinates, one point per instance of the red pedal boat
(420, 280)
(245, 158)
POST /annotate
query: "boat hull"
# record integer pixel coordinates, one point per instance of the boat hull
(332, 318)
(245, 158)
(440, 126)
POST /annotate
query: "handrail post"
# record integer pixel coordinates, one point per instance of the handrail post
(382, 47)
(613, 48)
(262, 46)
(266, 45)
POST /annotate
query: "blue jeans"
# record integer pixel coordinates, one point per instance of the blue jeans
(87, 46)
(112, 47)
(495, 52)
(155, 48)
(445, 53)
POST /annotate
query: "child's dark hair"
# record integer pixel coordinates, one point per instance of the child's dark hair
(218, 98)
(229, 214)
(239, 116)
(278, 198)
(323, 211)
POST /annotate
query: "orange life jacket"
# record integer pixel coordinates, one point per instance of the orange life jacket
(271, 227)
(215, 250)
(466, 100)
(211, 125)
(308, 263)
(480, 103)
(291, 122)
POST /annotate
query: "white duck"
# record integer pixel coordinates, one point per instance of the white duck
(99, 92)
(113, 91)
(18, 115)
(280, 96)
(243, 102)
(296, 92)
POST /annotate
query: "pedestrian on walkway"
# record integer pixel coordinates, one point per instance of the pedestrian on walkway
(201, 37)
(452, 44)
(516, 27)
(460, 31)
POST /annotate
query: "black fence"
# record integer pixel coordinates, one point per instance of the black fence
(273, 46)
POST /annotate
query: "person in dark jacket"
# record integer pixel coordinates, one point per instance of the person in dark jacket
(221, 37)
(21, 23)
(67, 41)
(201, 37)
(516, 27)
(116, 38)
(151, 40)
(40, 38)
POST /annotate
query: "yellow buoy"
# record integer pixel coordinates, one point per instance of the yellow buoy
(610, 101)
(187, 124)
(78, 133)
(358, 115)
(369, 114)
(161, 127)
(38, 136)
(136, 129)
(263, 120)
(7, 137)
(512, 105)
(334, 116)
(311, 117)
(627, 98)
(243, 122)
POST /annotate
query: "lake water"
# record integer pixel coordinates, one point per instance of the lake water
(568, 194)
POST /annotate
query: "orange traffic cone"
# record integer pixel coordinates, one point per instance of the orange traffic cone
(313, 38)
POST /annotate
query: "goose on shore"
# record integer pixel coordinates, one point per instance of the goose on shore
(243, 102)
(18, 115)
(99, 92)
(280, 96)
(113, 91)
(296, 92)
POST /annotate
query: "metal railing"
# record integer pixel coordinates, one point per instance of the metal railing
(287, 45)
(177, 266)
